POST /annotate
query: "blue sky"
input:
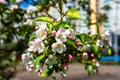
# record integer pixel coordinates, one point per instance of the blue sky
(26, 3)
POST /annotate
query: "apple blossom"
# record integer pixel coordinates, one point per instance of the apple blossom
(51, 60)
(70, 33)
(36, 45)
(85, 56)
(41, 33)
(29, 66)
(26, 57)
(107, 33)
(58, 47)
(97, 64)
(13, 7)
(110, 43)
(61, 35)
(98, 42)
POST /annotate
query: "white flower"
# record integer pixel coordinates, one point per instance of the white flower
(85, 56)
(58, 47)
(39, 68)
(61, 35)
(36, 45)
(41, 25)
(41, 33)
(98, 42)
(70, 32)
(26, 57)
(107, 33)
(27, 16)
(97, 64)
(110, 43)
(29, 66)
(28, 22)
(29, 11)
(51, 60)
(13, 6)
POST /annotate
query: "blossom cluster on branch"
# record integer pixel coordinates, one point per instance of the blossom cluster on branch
(55, 44)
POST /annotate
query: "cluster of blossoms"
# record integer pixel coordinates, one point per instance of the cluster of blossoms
(56, 47)
(56, 44)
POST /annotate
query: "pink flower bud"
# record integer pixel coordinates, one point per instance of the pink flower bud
(70, 57)
(66, 66)
(93, 60)
(36, 28)
(53, 33)
(92, 55)
(32, 65)
(40, 51)
(38, 73)
(89, 32)
(78, 44)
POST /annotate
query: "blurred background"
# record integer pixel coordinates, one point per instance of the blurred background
(16, 27)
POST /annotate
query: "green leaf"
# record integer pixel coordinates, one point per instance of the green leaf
(37, 60)
(94, 37)
(50, 26)
(68, 26)
(95, 48)
(73, 13)
(62, 24)
(32, 36)
(109, 51)
(60, 5)
(46, 49)
(82, 37)
(70, 42)
(44, 18)
(56, 23)
(44, 73)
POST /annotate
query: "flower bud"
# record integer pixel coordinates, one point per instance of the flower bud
(89, 32)
(36, 28)
(70, 57)
(78, 44)
(53, 33)
(66, 66)
(92, 55)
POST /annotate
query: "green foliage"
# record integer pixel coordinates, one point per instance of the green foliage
(44, 74)
(73, 13)
(95, 48)
(32, 36)
(109, 51)
(71, 43)
(44, 18)
(37, 60)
